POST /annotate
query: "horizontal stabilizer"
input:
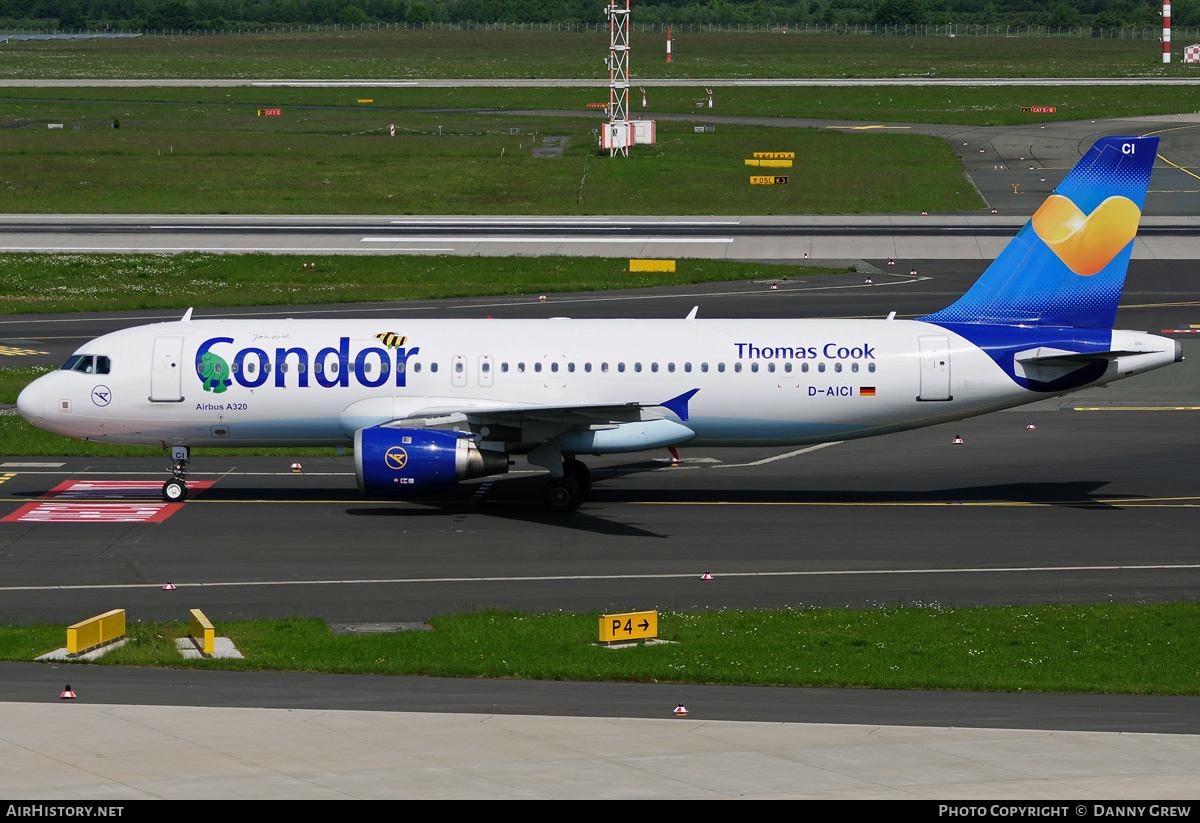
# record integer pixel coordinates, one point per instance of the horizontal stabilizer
(1048, 364)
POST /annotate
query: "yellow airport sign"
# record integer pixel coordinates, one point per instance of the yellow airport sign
(652, 265)
(775, 155)
(366, 100)
(781, 164)
(768, 181)
(628, 626)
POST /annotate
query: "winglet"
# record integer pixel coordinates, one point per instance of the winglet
(679, 405)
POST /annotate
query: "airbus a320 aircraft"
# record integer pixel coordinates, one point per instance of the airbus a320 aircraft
(427, 403)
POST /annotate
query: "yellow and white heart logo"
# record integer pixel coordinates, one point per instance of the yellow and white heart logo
(1086, 243)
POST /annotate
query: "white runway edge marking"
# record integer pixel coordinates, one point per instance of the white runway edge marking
(766, 460)
(599, 223)
(593, 577)
(546, 239)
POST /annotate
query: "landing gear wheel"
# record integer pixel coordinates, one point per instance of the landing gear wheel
(174, 490)
(579, 472)
(561, 495)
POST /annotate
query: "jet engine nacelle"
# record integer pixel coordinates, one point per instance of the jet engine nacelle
(408, 462)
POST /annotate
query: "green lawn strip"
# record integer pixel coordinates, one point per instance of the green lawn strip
(18, 437)
(1114, 648)
(297, 167)
(400, 55)
(65, 282)
(335, 112)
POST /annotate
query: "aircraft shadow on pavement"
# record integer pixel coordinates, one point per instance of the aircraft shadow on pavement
(1073, 494)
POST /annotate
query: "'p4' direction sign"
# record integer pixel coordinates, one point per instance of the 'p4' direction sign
(629, 626)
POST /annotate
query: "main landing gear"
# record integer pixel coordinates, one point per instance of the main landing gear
(175, 489)
(564, 494)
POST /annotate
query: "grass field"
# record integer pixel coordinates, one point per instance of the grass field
(205, 159)
(47, 283)
(968, 105)
(399, 55)
(1138, 649)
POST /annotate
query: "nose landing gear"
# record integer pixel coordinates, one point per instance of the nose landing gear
(175, 489)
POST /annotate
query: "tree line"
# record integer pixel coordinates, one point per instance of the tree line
(137, 15)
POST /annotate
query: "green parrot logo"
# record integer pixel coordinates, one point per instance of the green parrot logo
(213, 372)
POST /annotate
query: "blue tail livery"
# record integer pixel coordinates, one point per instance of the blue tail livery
(1067, 266)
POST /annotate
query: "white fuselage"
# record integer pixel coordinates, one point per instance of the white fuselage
(315, 382)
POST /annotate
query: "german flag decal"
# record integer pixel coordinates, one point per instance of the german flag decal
(866, 391)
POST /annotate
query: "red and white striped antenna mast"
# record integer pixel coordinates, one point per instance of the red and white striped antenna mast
(618, 78)
(1166, 38)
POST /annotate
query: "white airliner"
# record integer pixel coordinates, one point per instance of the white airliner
(427, 403)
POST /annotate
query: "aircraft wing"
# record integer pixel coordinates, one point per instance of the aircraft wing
(521, 427)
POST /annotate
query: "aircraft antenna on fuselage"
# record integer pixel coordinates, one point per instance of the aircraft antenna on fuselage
(692, 313)
(187, 315)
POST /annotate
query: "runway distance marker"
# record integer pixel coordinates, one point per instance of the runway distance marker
(93, 513)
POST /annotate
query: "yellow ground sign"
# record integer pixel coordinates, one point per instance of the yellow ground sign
(628, 626)
(779, 164)
(768, 180)
(652, 265)
(775, 155)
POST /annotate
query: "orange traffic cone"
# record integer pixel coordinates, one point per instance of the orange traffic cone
(957, 440)
(67, 693)
(170, 587)
(706, 576)
(681, 710)
(1030, 427)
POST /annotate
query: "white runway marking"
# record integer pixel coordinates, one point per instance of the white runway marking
(546, 239)
(392, 581)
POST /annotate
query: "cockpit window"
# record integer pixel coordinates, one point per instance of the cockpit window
(87, 363)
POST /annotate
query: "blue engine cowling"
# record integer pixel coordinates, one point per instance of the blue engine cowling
(408, 462)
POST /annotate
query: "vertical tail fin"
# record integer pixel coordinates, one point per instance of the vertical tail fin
(1067, 266)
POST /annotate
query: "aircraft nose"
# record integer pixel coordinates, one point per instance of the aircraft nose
(30, 402)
